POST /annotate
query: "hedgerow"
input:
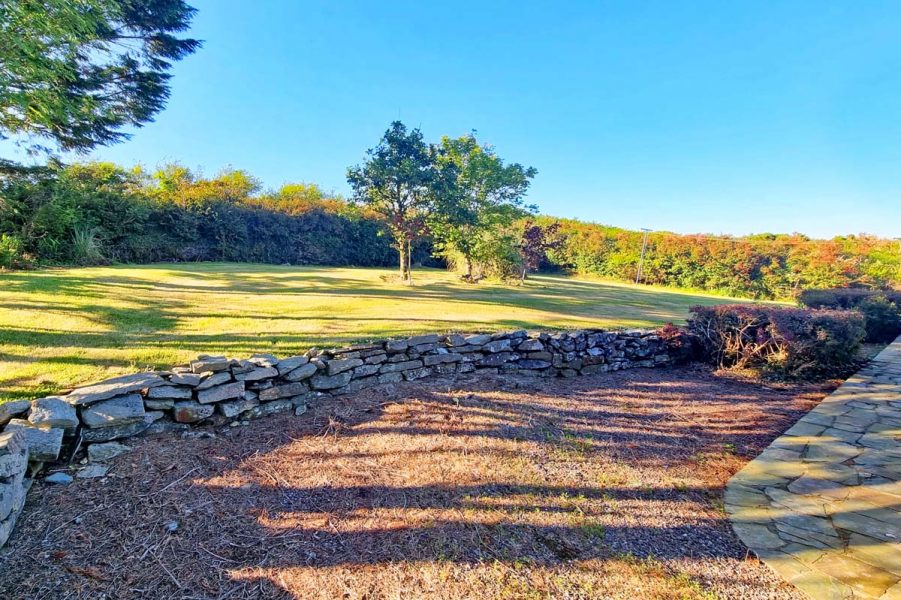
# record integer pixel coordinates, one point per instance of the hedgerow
(99, 212)
(881, 309)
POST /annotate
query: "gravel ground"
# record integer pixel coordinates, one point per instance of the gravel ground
(595, 487)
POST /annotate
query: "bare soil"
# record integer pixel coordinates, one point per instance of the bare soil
(595, 487)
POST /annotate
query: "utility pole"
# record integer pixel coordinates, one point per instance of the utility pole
(644, 245)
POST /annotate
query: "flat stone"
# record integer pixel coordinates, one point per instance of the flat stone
(270, 408)
(817, 418)
(13, 453)
(841, 435)
(53, 412)
(11, 496)
(58, 478)
(118, 411)
(454, 339)
(882, 555)
(191, 412)
(365, 370)
(302, 372)
(757, 536)
(437, 359)
(496, 360)
(283, 391)
(43, 444)
(92, 472)
(530, 345)
(390, 378)
(400, 366)
(419, 373)
(169, 392)
(820, 586)
(228, 391)
(893, 593)
(236, 407)
(340, 365)
(827, 451)
(376, 359)
(214, 379)
(477, 340)
(106, 451)
(164, 404)
(528, 363)
(800, 503)
(801, 428)
(210, 363)
(419, 340)
(12, 409)
(264, 360)
(117, 386)
(739, 495)
(325, 382)
(258, 374)
(396, 345)
(859, 576)
(189, 379)
(813, 485)
(105, 434)
(865, 525)
(497, 346)
(808, 529)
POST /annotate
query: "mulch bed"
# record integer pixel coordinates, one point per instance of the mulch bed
(594, 487)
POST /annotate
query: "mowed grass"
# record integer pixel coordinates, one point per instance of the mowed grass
(65, 327)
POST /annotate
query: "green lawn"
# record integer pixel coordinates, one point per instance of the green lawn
(65, 327)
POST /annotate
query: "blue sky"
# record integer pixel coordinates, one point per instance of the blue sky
(718, 117)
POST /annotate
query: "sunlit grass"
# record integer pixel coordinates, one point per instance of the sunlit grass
(65, 327)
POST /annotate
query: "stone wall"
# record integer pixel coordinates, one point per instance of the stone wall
(215, 390)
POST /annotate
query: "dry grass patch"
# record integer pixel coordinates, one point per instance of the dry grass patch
(597, 487)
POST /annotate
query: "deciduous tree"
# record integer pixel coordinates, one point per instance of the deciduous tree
(398, 180)
(484, 196)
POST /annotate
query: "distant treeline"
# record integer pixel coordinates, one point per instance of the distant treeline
(97, 213)
(765, 266)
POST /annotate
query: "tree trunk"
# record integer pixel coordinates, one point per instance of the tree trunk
(403, 249)
(409, 262)
(467, 276)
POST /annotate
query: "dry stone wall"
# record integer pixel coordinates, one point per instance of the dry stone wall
(215, 390)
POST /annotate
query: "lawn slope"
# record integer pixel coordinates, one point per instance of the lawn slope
(64, 327)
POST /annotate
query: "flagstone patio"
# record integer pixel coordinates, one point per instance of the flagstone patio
(821, 505)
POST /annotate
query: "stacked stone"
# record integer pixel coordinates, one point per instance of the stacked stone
(215, 390)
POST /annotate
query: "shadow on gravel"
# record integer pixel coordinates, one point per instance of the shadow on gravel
(378, 490)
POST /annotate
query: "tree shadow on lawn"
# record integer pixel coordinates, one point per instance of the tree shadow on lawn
(538, 475)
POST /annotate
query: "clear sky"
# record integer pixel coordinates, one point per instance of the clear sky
(719, 117)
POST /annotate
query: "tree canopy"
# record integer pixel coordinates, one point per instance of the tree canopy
(76, 72)
(398, 180)
(484, 197)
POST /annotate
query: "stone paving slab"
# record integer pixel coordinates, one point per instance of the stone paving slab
(822, 505)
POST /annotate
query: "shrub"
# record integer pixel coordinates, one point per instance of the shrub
(86, 247)
(792, 343)
(840, 298)
(881, 308)
(11, 252)
(882, 318)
